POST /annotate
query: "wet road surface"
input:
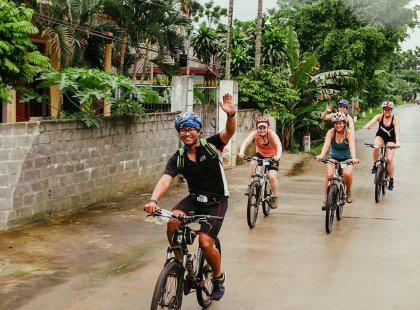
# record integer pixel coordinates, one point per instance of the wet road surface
(110, 257)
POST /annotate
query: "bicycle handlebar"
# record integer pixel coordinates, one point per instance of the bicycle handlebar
(259, 160)
(334, 161)
(376, 146)
(185, 218)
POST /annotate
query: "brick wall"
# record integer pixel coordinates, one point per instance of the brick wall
(49, 168)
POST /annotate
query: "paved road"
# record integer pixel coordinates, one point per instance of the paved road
(110, 258)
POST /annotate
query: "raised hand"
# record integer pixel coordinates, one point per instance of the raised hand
(329, 108)
(227, 104)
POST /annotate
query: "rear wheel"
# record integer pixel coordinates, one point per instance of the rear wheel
(267, 199)
(168, 289)
(253, 203)
(330, 205)
(205, 277)
(378, 182)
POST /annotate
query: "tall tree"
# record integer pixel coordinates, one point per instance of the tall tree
(17, 54)
(258, 37)
(229, 41)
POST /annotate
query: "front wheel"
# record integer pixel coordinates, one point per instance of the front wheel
(385, 181)
(253, 202)
(330, 205)
(379, 182)
(204, 278)
(341, 200)
(267, 199)
(169, 286)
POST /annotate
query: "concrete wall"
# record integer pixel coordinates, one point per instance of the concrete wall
(49, 168)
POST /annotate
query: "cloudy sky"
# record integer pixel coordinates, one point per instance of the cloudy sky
(247, 9)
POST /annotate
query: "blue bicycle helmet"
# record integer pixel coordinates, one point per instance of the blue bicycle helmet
(188, 119)
(343, 103)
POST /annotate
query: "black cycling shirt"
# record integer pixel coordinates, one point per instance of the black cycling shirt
(206, 175)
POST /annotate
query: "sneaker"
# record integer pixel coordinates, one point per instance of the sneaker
(218, 287)
(274, 202)
(391, 184)
(373, 169)
(323, 206)
(349, 198)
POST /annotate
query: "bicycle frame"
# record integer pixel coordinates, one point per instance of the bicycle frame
(338, 180)
(261, 175)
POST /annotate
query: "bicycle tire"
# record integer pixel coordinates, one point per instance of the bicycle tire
(205, 275)
(266, 205)
(169, 286)
(330, 205)
(253, 203)
(385, 181)
(341, 203)
(378, 182)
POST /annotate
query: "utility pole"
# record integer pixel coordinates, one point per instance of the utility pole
(229, 41)
(258, 37)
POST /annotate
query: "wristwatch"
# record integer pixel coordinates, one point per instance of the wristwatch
(232, 115)
(153, 201)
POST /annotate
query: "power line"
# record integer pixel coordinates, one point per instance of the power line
(112, 37)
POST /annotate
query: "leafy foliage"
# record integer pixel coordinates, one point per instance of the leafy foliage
(18, 55)
(355, 35)
(89, 89)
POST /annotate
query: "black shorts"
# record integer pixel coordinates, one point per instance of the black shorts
(270, 167)
(386, 138)
(211, 228)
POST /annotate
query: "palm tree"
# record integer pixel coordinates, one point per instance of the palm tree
(66, 25)
(156, 24)
(205, 43)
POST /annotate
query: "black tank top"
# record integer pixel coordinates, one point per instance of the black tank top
(386, 132)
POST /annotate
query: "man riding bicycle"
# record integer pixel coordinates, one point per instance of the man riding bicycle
(388, 134)
(340, 143)
(198, 162)
(268, 145)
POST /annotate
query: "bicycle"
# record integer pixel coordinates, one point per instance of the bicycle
(336, 192)
(381, 170)
(186, 275)
(259, 192)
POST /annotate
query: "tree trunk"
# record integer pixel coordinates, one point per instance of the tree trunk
(287, 139)
(229, 41)
(258, 37)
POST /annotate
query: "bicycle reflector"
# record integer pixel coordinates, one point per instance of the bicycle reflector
(184, 235)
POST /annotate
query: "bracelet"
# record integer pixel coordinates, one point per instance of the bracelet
(153, 201)
(232, 115)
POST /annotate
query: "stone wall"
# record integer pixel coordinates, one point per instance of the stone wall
(49, 168)
(53, 167)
